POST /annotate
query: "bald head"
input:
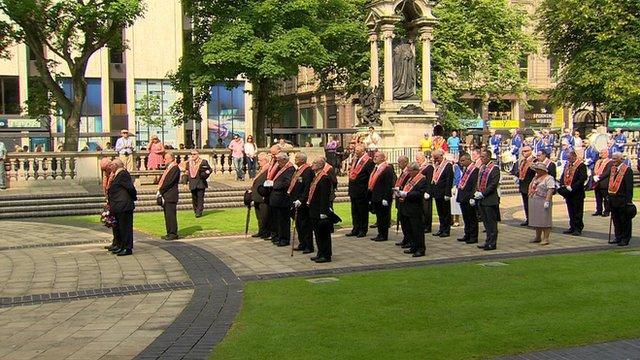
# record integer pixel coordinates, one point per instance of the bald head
(403, 161)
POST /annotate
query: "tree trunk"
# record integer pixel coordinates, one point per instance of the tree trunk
(261, 98)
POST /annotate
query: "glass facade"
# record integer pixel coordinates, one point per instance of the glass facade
(91, 118)
(9, 95)
(226, 110)
(167, 96)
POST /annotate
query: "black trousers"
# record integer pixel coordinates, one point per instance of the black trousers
(304, 228)
(125, 229)
(116, 235)
(575, 207)
(490, 216)
(470, 218)
(197, 200)
(444, 214)
(283, 223)
(262, 215)
(621, 225)
(413, 229)
(525, 203)
(404, 226)
(272, 222)
(427, 209)
(360, 215)
(383, 219)
(322, 231)
(171, 218)
(602, 200)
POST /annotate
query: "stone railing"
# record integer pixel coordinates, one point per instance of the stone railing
(23, 167)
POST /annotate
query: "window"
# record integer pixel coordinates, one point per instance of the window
(553, 68)
(119, 92)
(92, 105)
(162, 89)
(9, 95)
(226, 112)
(332, 116)
(524, 66)
(306, 117)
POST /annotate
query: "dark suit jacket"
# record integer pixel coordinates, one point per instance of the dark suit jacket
(428, 174)
(383, 189)
(122, 194)
(553, 171)
(523, 186)
(200, 181)
(404, 182)
(603, 183)
(321, 201)
(490, 195)
(358, 187)
(577, 185)
(624, 195)
(466, 193)
(279, 196)
(301, 189)
(334, 182)
(259, 194)
(169, 188)
(412, 204)
(443, 187)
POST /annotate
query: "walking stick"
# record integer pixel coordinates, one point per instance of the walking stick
(246, 223)
(610, 221)
(397, 223)
(293, 237)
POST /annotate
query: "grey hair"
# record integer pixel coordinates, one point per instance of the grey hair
(321, 161)
(263, 155)
(413, 166)
(617, 154)
(282, 156)
(403, 158)
(302, 156)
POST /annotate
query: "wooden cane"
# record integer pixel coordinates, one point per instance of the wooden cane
(293, 237)
(610, 221)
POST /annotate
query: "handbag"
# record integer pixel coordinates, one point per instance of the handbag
(631, 211)
(159, 200)
(106, 217)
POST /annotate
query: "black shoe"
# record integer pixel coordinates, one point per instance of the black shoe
(614, 241)
(489, 248)
(568, 231)
(110, 247)
(597, 213)
(623, 243)
(198, 215)
(307, 251)
(379, 238)
(418, 254)
(351, 234)
(525, 223)
(171, 237)
(472, 241)
(314, 258)
(437, 233)
(283, 243)
(444, 234)
(426, 231)
(322, 260)
(399, 243)
(124, 252)
(373, 226)
(256, 235)
(482, 246)
(299, 248)
(576, 233)
(405, 246)
(605, 214)
(462, 239)
(409, 251)
(361, 235)
(115, 250)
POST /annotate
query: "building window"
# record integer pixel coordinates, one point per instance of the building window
(306, 117)
(225, 113)
(167, 131)
(332, 116)
(9, 95)
(524, 67)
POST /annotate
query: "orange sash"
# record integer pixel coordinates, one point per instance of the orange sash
(273, 169)
(601, 165)
(401, 179)
(286, 166)
(327, 167)
(416, 179)
(357, 166)
(570, 173)
(373, 178)
(194, 167)
(439, 171)
(618, 176)
(524, 167)
(296, 176)
(314, 183)
(465, 177)
(164, 174)
(484, 177)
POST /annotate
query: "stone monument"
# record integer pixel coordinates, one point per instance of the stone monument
(403, 115)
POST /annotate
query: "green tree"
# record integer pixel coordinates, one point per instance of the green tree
(72, 31)
(266, 41)
(597, 46)
(476, 50)
(148, 112)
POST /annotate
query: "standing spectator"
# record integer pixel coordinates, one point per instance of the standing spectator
(168, 196)
(454, 144)
(372, 140)
(601, 174)
(380, 193)
(572, 189)
(330, 151)
(456, 211)
(563, 157)
(516, 143)
(621, 200)
(156, 153)
(577, 140)
(567, 136)
(121, 195)
(197, 171)
(319, 201)
(250, 151)
(464, 195)
(124, 148)
(494, 143)
(488, 199)
(540, 193)
(3, 172)
(619, 141)
(439, 143)
(237, 153)
(426, 144)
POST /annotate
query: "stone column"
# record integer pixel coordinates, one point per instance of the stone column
(426, 36)
(373, 42)
(387, 36)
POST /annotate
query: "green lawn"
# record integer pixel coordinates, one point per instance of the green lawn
(461, 311)
(636, 194)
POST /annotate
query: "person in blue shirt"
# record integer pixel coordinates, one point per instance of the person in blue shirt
(568, 137)
(494, 142)
(591, 155)
(516, 142)
(454, 144)
(563, 157)
(456, 211)
(619, 141)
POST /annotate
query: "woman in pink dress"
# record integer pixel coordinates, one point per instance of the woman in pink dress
(156, 153)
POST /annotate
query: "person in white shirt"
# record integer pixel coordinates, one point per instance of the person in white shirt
(372, 140)
(124, 148)
(250, 151)
(577, 140)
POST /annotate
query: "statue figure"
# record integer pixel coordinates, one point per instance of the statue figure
(369, 113)
(404, 71)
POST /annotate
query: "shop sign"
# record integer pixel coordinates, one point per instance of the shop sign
(472, 123)
(24, 123)
(504, 124)
(628, 124)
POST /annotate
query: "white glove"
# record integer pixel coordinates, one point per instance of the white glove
(596, 178)
(516, 181)
(427, 196)
(297, 203)
(454, 191)
(588, 161)
(478, 195)
(385, 203)
(472, 202)
(396, 189)
(323, 216)
(403, 194)
(268, 183)
(569, 188)
(547, 204)
(447, 198)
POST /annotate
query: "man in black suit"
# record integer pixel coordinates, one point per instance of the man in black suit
(168, 195)
(543, 157)
(621, 199)
(486, 196)
(121, 196)
(198, 171)
(380, 190)
(524, 175)
(601, 174)
(299, 192)
(319, 199)
(441, 185)
(573, 179)
(279, 200)
(466, 190)
(411, 195)
(260, 198)
(359, 173)
(403, 162)
(426, 169)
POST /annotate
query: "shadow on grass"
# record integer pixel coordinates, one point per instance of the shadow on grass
(189, 230)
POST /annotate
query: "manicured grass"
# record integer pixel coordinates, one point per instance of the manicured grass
(636, 194)
(461, 311)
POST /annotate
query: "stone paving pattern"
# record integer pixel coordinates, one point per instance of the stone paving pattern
(177, 300)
